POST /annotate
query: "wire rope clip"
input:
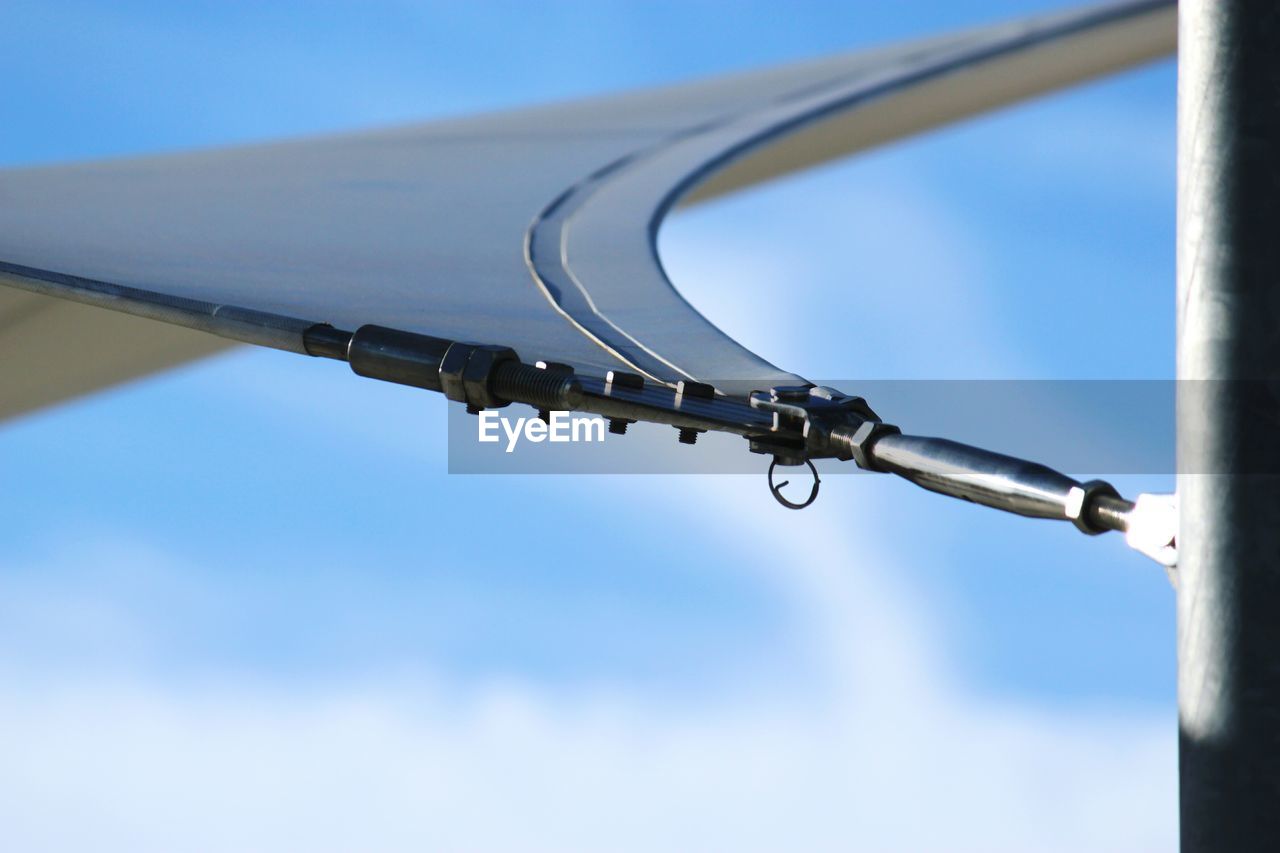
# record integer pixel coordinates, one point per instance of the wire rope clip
(776, 488)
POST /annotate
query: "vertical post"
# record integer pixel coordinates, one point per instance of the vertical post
(1228, 424)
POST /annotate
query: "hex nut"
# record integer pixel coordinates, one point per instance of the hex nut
(1081, 497)
(866, 435)
(451, 367)
(477, 372)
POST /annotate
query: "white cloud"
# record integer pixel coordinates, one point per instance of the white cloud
(110, 768)
(887, 753)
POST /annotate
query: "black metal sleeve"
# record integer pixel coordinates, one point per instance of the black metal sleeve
(395, 356)
(479, 375)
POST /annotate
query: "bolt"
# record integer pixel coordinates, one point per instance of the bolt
(689, 435)
(618, 426)
(543, 389)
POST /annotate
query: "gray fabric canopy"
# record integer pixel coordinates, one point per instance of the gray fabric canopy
(533, 229)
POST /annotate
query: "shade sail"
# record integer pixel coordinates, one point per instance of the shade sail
(534, 229)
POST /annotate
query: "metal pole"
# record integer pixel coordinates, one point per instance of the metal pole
(1229, 424)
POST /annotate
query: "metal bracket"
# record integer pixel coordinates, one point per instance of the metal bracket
(813, 412)
(1153, 530)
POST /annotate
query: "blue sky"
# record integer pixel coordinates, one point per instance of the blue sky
(242, 605)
